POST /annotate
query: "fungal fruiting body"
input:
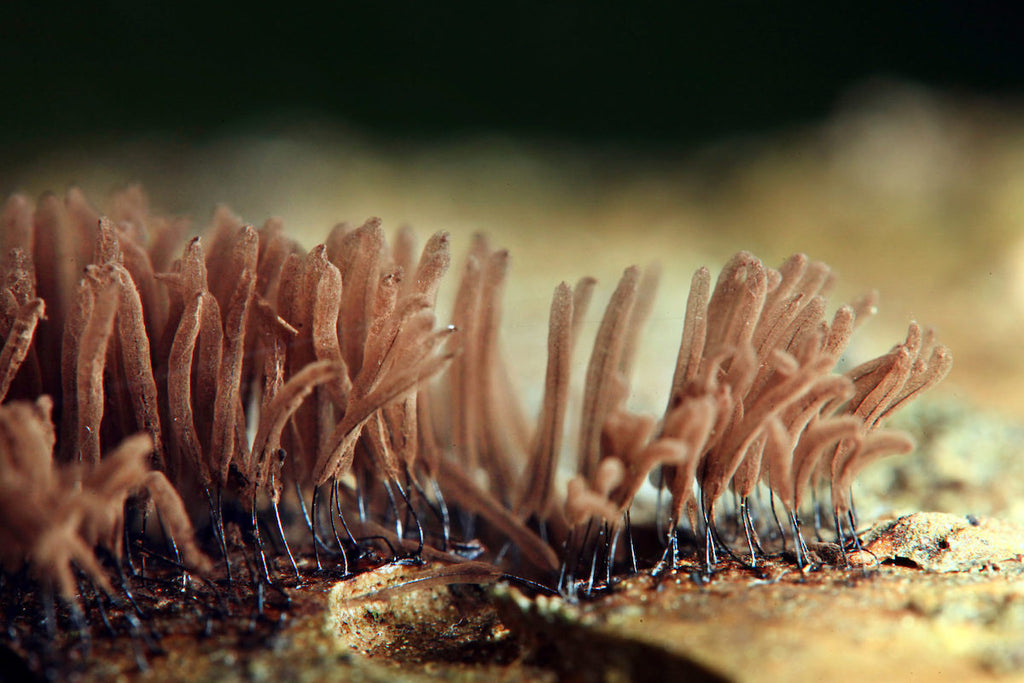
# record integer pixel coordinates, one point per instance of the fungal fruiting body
(237, 372)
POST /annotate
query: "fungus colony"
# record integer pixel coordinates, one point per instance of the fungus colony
(156, 390)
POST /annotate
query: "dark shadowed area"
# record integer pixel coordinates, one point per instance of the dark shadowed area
(648, 73)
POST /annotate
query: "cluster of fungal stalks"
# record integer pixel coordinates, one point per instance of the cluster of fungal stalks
(238, 371)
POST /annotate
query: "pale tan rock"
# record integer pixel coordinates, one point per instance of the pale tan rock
(941, 542)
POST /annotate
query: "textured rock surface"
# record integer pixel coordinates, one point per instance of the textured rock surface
(887, 622)
(939, 542)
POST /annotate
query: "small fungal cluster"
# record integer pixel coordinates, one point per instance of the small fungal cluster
(242, 389)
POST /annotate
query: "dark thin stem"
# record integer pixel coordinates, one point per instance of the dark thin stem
(839, 536)
(802, 555)
(415, 518)
(336, 503)
(582, 549)
(446, 521)
(351, 538)
(145, 533)
(173, 548)
(312, 529)
(341, 515)
(223, 534)
(533, 585)
(659, 526)
(601, 536)
(101, 608)
(613, 547)
(775, 516)
(467, 520)
(332, 504)
(138, 638)
(217, 523)
(284, 538)
(253, 579)
(710, 554)
(671, 553)
(259, 599)
(399, 531)
(722, 546)
(500, 557)
(853, 513)
(302, 506)
(565, 561)
(632, 548)
(261, 555)
(410, 514)
(306, 517)
(361, 498)
(748, 530)
(128, 540)
(126, 589)
(816, 505)
(853, 529)
(735, 507)
(439, 510)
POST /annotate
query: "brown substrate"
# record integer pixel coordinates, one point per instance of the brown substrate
(886, 621)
